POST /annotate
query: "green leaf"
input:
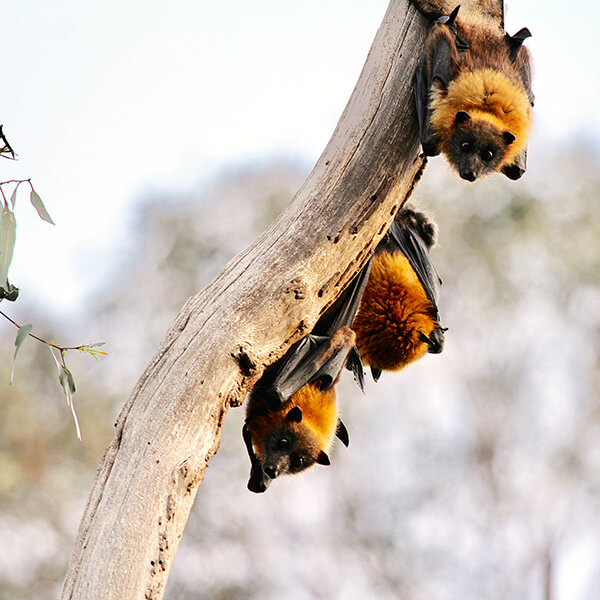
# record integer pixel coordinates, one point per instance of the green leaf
(13, 196)
(21, 337)
(68, 385)
(70, 380)
(8, 235)
(39, 206)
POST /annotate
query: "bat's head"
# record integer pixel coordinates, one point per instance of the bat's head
(476, 147)
(282, 444)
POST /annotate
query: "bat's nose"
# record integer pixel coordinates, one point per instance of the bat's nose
(468, 175)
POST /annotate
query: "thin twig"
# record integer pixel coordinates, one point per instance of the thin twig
(62, 349)
(19, 181)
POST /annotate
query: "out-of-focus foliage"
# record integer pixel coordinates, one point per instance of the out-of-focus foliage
(45, 472)
(472, 474)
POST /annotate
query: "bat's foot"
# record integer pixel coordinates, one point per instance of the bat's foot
(513, 171)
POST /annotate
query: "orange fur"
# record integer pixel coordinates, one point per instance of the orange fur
(319, 417)
(394, 309)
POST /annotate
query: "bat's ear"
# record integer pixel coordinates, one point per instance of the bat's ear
(462, 117)
(517, 40)
(375, 374)
(452, 16)
(342, 433)
(323, 459)
(508, 138)
(448, 19)
(294, 415)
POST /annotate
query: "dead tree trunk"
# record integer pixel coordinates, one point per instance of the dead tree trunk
(266, 298)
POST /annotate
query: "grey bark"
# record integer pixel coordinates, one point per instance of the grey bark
(265, 299)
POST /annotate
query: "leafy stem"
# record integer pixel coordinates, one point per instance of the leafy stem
(65, 376)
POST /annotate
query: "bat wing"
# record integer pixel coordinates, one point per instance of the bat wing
(258, 482)
(320, 356)
(342, 312)
(417, 254)
(313, 359)
(520, 58)
(296, 368)
(354, 363)
(435, 71)
(421, 86)
(342, 433)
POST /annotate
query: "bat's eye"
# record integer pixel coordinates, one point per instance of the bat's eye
(487, 155)
(466, 147)
(283, 443)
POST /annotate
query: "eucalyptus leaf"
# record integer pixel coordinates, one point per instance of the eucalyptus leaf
(8, 235)
(67, 382)
(39, 206)
(70, 380)
(21, 337)
(64, 382)
(68, 385)
(13, 197)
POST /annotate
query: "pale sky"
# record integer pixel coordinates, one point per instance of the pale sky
(105, 101)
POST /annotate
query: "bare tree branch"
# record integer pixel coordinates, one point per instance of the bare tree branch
(266, 298)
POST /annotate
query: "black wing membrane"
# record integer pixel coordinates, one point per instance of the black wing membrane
(441, 73)
(421, 86)
(342, 433)
(257, 482)
(417, 254)
(520, 56)
(342, 312)
(320, 356)
(435, 69)
(354, 363)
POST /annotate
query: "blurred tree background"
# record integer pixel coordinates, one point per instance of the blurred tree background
(472, 474)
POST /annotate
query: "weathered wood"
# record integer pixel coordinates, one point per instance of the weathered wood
(266, 298)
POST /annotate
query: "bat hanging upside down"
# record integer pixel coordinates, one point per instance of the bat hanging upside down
(398, 320)
(292, 416)
(473, 90)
